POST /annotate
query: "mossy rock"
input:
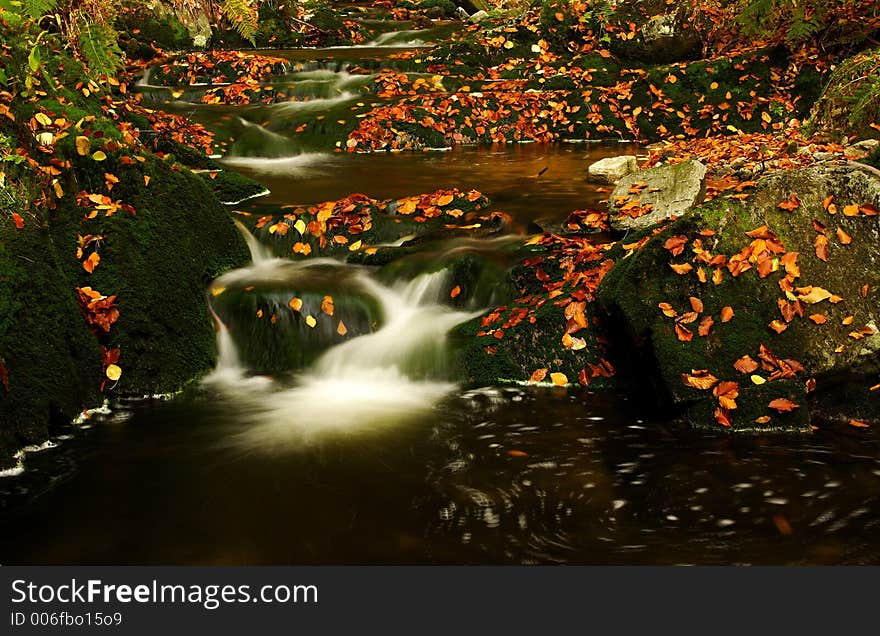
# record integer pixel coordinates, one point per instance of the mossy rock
(851, 100)
(158, 262)
(53, 361)
(231, 187)
(274, 337)
(633, 290)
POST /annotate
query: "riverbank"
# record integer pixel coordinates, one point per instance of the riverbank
(102, 199)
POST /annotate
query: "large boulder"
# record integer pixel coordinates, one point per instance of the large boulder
(610, 170)
(647, 198)
(759, 302)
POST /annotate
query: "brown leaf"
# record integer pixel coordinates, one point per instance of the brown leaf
(745, 364)
(783, 405)
(696, 304)
(538, 375)
(701, 380)
(843, 237)
(726, 314)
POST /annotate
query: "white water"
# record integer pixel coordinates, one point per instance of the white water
(357, 386)
(387, 40)
(259, 252)
(303, 165)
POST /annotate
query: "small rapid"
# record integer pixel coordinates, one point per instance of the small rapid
(388, 376)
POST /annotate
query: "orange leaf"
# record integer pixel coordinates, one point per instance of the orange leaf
(538, 375)
(559, 379)
(19, 222)
(745, 364)
(843, 237)
(684, 334)
(783, 405)
(858, 424)
(791, 203)
(701, 380)
(455, 292)
(727, 314)
(696, 304)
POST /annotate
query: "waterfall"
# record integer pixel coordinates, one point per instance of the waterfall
(368, 382)
(259, 252)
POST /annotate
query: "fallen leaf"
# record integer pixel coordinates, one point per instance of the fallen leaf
(113, 372)
(455, 292)
(538, 375)
(783, 405)
(726, 314)
(559, 379)
(745, 364)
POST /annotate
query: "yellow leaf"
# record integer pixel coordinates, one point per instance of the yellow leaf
(216, 291)
(310, 321)
(114, 372)
(99, 155)
(341, 329)
(300, 226)
(44, 119)
(757, 379)
(354, 247)
(295, 304)
(83, 145)
(559, 379)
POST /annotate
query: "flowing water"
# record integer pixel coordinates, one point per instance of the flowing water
(348, 441)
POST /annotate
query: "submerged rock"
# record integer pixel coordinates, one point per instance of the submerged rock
(744, 307)
(612, 169)
(646, 198)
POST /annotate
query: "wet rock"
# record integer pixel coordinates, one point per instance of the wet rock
(862, 149)
(479, 16)
(647, 198)
(612, 169)
(804, 309)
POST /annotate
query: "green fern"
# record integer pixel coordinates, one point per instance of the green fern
(98, 45)
(36, 9)
(244, 17)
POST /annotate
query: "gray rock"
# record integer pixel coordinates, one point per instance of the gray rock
(479, 16)
(862, 149)
(612, 169)
(462, 13)
(671, 190)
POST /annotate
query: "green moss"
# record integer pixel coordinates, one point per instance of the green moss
(158, 263)
(231, 187)
(53, 361)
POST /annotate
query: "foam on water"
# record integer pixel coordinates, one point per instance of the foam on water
(302, 165)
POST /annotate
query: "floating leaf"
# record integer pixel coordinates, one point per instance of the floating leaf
(341, 328)
(455, 292)
(295, 304)
(310, 321)
(113, 372)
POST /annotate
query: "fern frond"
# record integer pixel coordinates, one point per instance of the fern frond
(36, 9)
(98, 45)
(244, 18)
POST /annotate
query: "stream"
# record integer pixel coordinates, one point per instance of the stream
(305, 448)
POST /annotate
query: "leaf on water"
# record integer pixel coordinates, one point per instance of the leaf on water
(858, 424)
(455, 292)
(341, 329)
(327, 305)
(295, 303)
(310, 321)
(113, 372)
